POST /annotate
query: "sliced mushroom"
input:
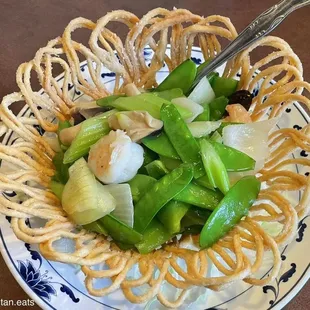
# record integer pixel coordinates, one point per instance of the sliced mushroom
(131, 90)
(137, 124)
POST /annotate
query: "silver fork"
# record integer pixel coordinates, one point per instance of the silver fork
(261, 26)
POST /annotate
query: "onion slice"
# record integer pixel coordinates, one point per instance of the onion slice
(251, 139)
(124, 203)
(195, 108)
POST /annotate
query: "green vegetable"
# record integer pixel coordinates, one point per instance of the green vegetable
(145, 102)
(212, 76)
(195, 216)
(91, 131)
(181, 138)
(62, 125)
(62, 170)
(203, 65)
(154, 236)
(120, 231)
(85, 199)
(192, 230)
(224, 86)
(170, 163)
(149, 156)
(182, 77)
(170, 93)
(124, 246)
(171, 215)
(57, 188)
(214, 167)
(156, 169)
(161, 145)
(96, 227)
(233, 159)
(205, 115)
(108, 101)
(218, 108)
(205, 182)
(230, 210)
(139, 186)
(161, 193)
(199, 196)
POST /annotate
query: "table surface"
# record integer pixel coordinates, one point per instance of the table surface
(25, 26)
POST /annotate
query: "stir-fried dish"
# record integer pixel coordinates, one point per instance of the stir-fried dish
(156, 163)
(147, 183)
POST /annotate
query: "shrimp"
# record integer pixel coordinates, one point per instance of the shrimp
(115, 158)
(238, 114)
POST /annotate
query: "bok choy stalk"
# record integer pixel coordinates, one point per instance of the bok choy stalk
(85, 199)
(90, 132)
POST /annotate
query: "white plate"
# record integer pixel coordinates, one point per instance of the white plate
(55, 285)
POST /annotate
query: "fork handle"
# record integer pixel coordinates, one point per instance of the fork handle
(261, 26)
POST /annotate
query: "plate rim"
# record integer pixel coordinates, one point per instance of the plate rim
(43, 304)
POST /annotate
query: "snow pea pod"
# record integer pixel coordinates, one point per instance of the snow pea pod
(203, 65)
(139, 185)
(194, 217)
(171, 215)
(120, 231)
(224, 86)
(149, 156)
(230, 210)
(161, 145)
(212, 76)
(96, 227)
(154, 236)
(215, 169)
(159, 194)
(182, 77)
(218, 108)
(170, 163)
(205, 115)
(233, 159)
(199, 196)
(181, 138)
(156, 169)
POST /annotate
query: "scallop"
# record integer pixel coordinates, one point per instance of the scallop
(115, 158)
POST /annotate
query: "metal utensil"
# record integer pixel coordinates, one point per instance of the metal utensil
(261, 26)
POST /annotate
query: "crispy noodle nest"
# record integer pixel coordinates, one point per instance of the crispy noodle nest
(30, 158)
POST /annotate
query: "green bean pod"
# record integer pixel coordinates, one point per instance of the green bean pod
(229, 212)
(161, 193)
